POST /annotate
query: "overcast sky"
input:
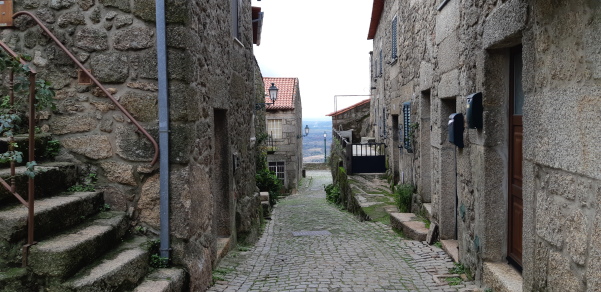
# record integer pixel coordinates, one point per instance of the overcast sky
(323, 43)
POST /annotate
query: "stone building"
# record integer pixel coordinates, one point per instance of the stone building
(521, 195)
(284, 127)
(355, 118)
(213, 84)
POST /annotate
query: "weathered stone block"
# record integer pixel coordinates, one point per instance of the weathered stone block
(142, 105)
(561, 276)
(447, 20)
(71, 124)
(45, 15)
(503, 27)
(134, 38)
(123, 21)
(119, 172)
(177, 37)
(86, 4)
(183, 104)
(93, 146)
(449, 84)
(110, 67)
(91, 39)
(177, 10)
(576, 227)
(149, 201)
(119, 4)
(60, 4)
(132, 145)
(448, 53)
(549, 219)
(71, 18)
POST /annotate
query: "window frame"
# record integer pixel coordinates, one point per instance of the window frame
(279, 168)
(271, 128)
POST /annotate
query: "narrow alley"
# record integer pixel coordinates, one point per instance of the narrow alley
(310, 245)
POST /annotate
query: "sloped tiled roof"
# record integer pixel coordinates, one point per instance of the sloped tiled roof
(344, 110)
(286, 92)
(376, 14)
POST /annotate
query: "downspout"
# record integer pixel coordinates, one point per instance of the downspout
(163, 129)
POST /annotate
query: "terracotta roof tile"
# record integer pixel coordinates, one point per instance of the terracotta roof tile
(344, 110)
(286, 92)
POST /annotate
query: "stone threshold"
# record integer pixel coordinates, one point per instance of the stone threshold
(501, 277)
(408, 223)
(223, 247)
(451, 247)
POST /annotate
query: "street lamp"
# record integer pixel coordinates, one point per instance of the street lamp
(273, 95)
(324, 146)
(306, 132)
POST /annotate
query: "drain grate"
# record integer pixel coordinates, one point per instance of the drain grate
(311, 233)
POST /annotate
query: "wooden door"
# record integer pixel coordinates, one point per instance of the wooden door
(515, 212)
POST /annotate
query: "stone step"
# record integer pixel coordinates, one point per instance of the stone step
(63, 255)
(501, 277)
(163, 280)
(51, 215)
(427, 208)
(120, 270)
(410, 225)
(52, 179)
(451, 247)
(223, 247)
(22, 141)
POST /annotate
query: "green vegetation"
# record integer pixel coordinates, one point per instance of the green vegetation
(266, 180)
(377, 213)
(454, 281)
(88, 185)
(332, 193)
(52, 148)
(219, 274)
(155, 260)
(462, 270)
(402, 197)
(438, 244)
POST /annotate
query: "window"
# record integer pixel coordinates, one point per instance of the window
(408, 132)
(236, 18)
(274, 129)
(393, 41)
(279, 168)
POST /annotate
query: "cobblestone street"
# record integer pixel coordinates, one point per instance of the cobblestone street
(310, 245)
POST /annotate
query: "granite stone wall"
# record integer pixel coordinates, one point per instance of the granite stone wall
(447, 53)
(214, 82)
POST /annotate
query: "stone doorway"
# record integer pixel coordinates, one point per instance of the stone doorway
(221, 177)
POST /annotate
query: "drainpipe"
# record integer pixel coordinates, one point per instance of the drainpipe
(163, 129)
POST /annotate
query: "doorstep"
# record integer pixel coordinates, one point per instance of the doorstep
(502, 277)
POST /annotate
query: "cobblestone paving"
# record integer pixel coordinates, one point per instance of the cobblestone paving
(343, 255)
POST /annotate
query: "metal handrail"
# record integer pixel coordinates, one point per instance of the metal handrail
(104, 90)
(30, 203)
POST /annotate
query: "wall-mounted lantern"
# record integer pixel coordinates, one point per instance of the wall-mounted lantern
(273, 95)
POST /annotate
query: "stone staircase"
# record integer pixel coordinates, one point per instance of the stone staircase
(81, 244)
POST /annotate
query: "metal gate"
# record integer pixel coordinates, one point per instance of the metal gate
(368, 158)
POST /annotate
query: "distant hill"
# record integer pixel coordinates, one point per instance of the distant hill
(313, 143)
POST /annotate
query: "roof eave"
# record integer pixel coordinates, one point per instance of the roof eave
(376, 14)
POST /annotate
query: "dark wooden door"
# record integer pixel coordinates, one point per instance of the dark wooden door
(516, 102)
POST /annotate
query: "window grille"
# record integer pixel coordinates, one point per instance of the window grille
(394, 37)
(407, 131)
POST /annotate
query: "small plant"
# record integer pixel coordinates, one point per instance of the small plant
(105, 207)
(461, 270)
(332, 193)
(454, 281)
(52, 148)
(89, 184)
(438, 244)
(402, 197)
(158, 262)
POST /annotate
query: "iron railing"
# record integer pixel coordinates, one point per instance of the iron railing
(30, 203)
